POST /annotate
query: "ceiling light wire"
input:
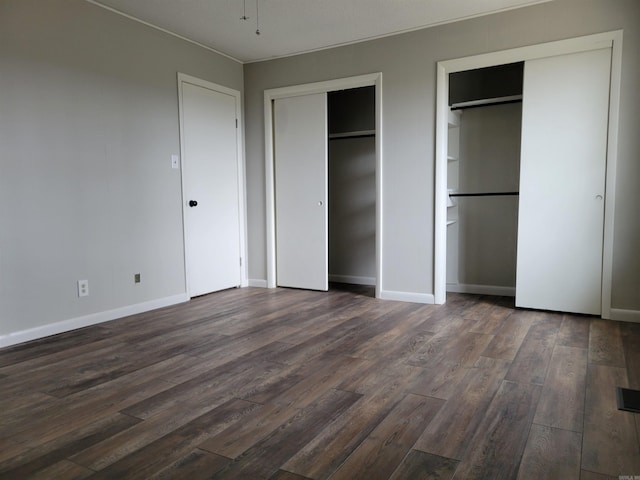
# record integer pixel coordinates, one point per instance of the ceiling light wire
(257, 19)
(244, 11)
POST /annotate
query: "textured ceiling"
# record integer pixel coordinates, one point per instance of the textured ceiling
(294, 26)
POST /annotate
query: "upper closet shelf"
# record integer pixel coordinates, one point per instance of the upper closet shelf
(358, 134)
(484, 102)
(483, 194)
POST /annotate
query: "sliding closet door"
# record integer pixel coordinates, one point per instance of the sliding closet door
(562, 182)
(300, 150)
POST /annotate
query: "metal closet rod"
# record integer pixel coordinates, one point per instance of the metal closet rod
(484, 194)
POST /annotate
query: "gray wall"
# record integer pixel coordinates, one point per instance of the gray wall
(408, 64)
(88, 122)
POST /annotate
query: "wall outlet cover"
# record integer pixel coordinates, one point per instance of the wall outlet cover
(83, 288)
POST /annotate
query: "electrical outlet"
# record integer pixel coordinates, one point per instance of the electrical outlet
(136, 278)
(83, 288)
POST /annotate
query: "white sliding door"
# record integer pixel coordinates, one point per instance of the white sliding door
(211, 189)
(300, 150)
(562, 182)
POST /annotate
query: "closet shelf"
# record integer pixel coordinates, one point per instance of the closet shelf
(453, 119)
(484, 194)
(450, 222)
(357, 134)
(485, 102)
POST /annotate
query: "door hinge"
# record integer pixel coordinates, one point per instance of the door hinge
(240, 261)
(236, 123)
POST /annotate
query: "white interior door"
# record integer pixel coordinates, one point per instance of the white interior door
(300, 148)
(562, 182)
(211, 190)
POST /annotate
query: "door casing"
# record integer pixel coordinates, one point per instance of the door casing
(574, 45)
(183, 78)
(373, 79)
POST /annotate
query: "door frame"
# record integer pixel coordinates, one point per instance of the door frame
(611, 39)
(372, 79)
(182, 79)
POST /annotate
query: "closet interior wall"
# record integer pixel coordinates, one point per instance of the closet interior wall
(352, 186)
(484, 158)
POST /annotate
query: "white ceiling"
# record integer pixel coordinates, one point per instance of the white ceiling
(294, 26)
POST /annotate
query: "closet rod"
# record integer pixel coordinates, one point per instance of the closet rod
(484, 194)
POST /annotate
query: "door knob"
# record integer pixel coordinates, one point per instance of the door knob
(320, 203)
(193, 203)
(598, 197)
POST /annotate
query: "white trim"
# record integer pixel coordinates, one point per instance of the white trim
(610, 180)
(532, 52)
(379, 187)
(257, 282)
(407, 296)
(163, 30)
(482, 289)
(242, 209)
(572, 45)
(366, 80)
(352, 279)
(441, 191)
(623, 315)
(87, 320)
(372, 79)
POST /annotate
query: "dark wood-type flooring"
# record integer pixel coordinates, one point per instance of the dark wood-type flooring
(290, 385)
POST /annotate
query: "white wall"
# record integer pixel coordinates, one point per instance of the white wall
(88, 122)
(408, 64)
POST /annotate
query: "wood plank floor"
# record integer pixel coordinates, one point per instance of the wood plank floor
(291, 385)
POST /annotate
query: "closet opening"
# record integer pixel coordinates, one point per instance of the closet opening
(569, 123)
(323, 183)
(352, 189)
(483, 175)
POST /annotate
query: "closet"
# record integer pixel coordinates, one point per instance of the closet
(544, 240)
(483, 172)
(352, 186)
(325, 188)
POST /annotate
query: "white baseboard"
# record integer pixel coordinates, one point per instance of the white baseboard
(407, 296)
(625, 315)
(87, 320)
(256, 282)
(481, 289)
(352, 279)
